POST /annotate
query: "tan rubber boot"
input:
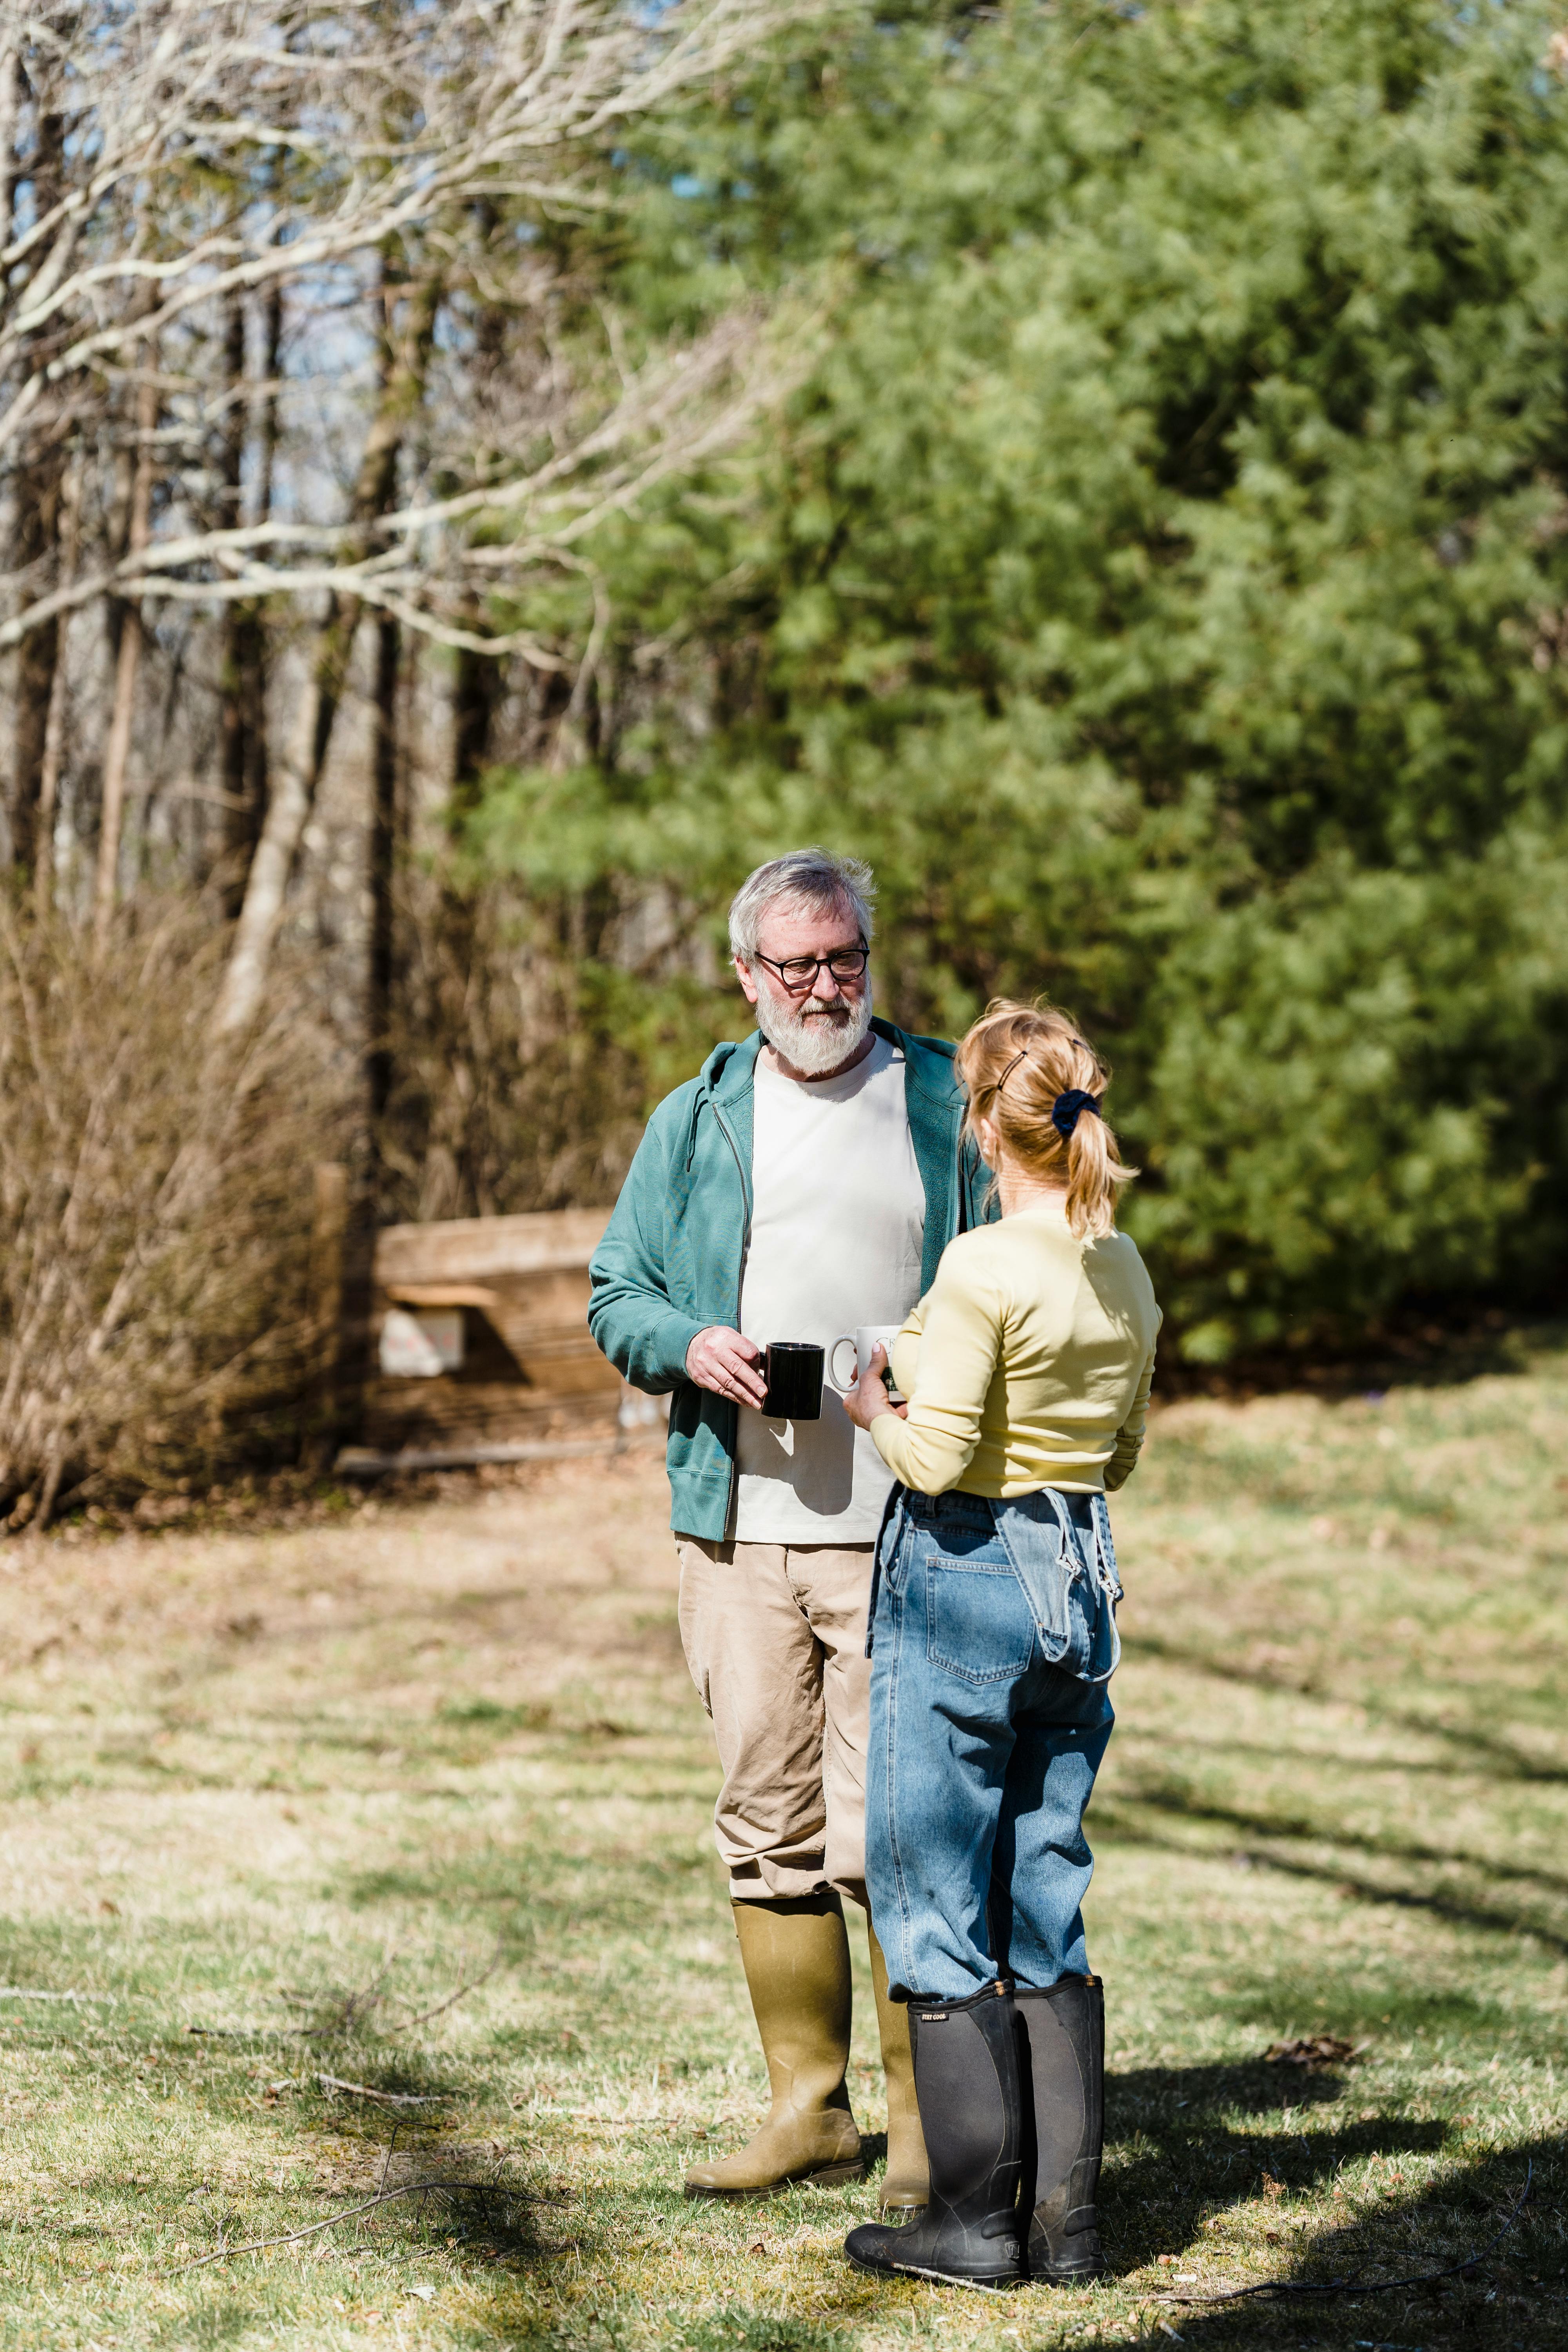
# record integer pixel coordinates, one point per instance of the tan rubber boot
(796, 1958)
(906, 2184)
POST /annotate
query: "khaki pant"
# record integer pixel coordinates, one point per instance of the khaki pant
(776, 1639)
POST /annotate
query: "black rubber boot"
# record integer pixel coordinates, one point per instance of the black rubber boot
(1062, 2055)
(967, 2081)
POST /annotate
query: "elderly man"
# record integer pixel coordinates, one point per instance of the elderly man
(804, 1184)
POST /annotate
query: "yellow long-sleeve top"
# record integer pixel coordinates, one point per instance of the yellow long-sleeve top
(1026, 1364)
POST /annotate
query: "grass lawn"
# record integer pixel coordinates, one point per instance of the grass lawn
(275, 1796)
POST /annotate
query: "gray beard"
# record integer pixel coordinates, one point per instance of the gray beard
(815, 1043)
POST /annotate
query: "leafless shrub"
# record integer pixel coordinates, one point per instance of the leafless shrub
(515, 1089)
(155, 1211)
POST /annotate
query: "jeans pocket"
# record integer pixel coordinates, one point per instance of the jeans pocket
(978, 1624)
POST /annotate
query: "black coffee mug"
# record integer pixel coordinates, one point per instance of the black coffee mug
(792, 1370)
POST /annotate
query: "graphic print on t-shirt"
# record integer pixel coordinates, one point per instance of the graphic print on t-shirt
(837, 1235)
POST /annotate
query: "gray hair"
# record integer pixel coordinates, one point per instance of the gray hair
(806, 878)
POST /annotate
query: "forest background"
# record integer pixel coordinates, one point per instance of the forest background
(478, 481)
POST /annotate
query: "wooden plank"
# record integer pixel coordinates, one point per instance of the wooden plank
(448, 1410)
(545, 1314)
(482, 1249)
(443, 1294)
(364, 1462)
(328, 1225)
(532, 1375)
(329, 1266)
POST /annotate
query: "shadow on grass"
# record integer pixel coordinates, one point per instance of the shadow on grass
(1492, 1909)
(1189, 2167)
(731, 2329)
(1274, 1752)
(1492, 1758)
(1189, 2162)
(1514, 2300)
(1169, 1796)
(1125, 1819)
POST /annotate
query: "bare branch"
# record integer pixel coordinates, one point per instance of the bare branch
(485, 96)
(671, 415)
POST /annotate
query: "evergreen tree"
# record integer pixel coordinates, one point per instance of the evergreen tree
(1162, 576)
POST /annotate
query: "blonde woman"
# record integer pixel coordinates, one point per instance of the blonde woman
(1027, 1368)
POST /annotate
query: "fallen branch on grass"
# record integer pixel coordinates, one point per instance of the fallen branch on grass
(267, 2033)
(387, 2098)
(357, 2006)
(382, 2197)
(472, 1984)
(1375, 2286)
(245, 2032)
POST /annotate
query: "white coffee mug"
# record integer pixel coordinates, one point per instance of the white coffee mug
(863, 1344)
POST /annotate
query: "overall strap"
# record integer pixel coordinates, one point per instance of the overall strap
(1109, 1576)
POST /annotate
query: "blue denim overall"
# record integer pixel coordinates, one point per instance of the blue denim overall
(993, 1636)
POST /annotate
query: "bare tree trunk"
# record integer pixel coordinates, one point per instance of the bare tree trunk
(37, 523)
(475, 694)
(54, 730)
(111, 813)
(243, 723)
(402, 386)
(384, 849)
(271, 368)
(117, 757)
(238, 818)
(478, 687)
(478, 678)
(37, 498)
(10, 93)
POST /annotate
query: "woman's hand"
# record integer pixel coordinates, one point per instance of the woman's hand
(868, 1400)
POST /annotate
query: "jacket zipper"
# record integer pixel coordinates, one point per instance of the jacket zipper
(728, 1133)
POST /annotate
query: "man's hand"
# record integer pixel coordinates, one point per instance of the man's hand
(721, 1360)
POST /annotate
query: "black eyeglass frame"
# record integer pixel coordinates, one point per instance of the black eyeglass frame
(817, 963)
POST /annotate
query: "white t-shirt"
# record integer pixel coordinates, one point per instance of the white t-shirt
(837, 1235)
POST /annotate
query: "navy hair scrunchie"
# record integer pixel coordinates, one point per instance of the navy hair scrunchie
(1066, 1110)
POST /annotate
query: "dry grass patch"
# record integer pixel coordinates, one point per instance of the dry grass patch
(297, 1786)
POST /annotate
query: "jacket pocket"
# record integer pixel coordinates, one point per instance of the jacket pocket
(977, 1625)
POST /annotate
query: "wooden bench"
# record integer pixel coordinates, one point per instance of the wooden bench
(530, 1385)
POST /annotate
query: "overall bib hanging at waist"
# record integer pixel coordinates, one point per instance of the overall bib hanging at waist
(1059, 1548)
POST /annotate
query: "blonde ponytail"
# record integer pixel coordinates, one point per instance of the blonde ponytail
(1026, 1068)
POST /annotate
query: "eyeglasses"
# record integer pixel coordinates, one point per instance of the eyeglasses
(799, 973)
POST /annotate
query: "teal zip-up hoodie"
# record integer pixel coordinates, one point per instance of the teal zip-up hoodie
(671, 1261)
